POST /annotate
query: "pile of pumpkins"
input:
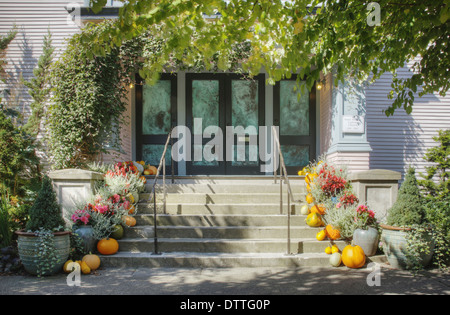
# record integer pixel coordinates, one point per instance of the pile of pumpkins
(352, 256)
(88, 264)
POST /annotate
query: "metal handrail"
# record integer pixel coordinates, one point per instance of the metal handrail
(162, 163)
(290, 196)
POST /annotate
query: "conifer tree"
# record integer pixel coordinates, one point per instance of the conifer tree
(39, 86)
(46, 211)
(408, 209)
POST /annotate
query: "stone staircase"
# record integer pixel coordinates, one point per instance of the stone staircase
(221, 222)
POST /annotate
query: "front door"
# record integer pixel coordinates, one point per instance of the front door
(295, 114)
(215, 104)
(156, 115)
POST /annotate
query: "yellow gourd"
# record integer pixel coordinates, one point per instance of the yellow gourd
(314, 220)
(320, 236)
(65, 267)
(85, 268)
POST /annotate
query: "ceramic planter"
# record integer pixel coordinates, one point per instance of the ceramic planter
(367, 240)
(86, 233)
(394, 247)
(28, 247)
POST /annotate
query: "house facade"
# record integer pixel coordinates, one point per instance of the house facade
(345, 123)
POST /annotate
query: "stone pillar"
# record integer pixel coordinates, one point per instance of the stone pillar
(377, 188)
(73, 185)
(348, 132)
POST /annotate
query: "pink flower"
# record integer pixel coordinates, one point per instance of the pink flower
(101, 209)
(338, 205)
(116, 198)
(85, 219)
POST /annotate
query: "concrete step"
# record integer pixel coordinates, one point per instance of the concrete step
(221, 245)
(221, 260)
(222, 198)
(202, 208)
(227, 232)
(220, 220)
(267, 187)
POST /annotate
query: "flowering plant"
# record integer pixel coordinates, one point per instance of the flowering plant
(331, 181)
(364, 217)
(81, 216)
(347, 199)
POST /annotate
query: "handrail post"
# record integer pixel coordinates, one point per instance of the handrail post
(289, 225)
(164, 185)
(281, 189)
(171, 158)
(274, 155)
(283, 173)
(155, 227)
(162, 163)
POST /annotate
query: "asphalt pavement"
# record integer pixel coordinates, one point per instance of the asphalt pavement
(377, 279)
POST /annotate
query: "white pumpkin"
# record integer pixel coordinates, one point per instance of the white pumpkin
(304, 210)
(335, 259)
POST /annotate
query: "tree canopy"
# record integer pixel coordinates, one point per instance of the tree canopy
(304, 36)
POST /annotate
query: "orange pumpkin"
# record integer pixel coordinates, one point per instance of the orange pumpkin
(107, 246)
(143, 179)
(153, 169)
(353, 256)
(318, 209)
(332, 232)
(129, 220)
(93, 261)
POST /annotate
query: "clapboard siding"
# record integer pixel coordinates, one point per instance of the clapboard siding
(402, 140)
(34, 19)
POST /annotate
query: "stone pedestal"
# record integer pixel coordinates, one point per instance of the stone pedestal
(377, 188)
(73, 186)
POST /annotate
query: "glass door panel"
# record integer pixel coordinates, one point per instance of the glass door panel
(156, 107)
(294, 113)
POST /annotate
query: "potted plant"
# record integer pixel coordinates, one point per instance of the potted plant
(366, 234)
(406, 241)
(82, 227)
(44, 245)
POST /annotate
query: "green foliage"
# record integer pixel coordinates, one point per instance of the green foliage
(89, 98)
(77, 250)
(439, 158)
(5, 231)
(46, 212)
(285, 36)
(408, 208)
(46, 256)
(438, 215)
(4, 42)
(39, 86)
(18, 161)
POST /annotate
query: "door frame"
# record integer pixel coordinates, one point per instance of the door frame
(225, 119)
